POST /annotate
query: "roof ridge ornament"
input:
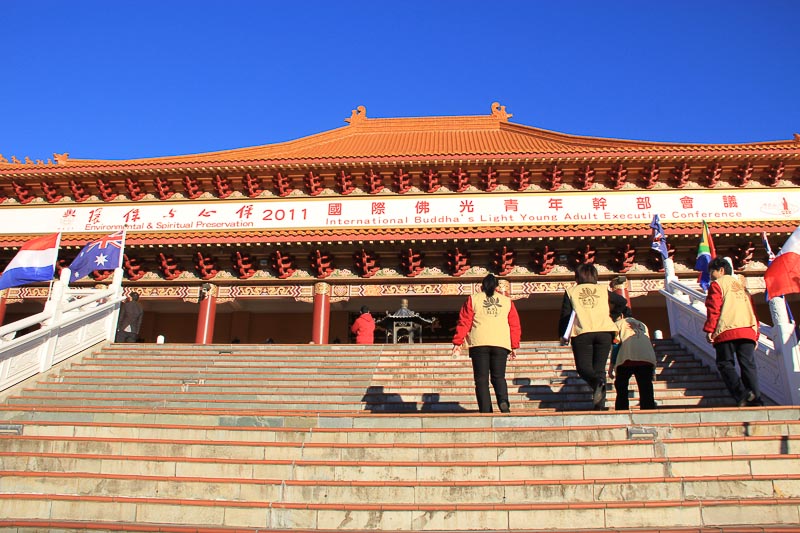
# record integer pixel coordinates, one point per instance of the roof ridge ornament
(61, 159)
(797, 137)
(358, 115)
(499, 112)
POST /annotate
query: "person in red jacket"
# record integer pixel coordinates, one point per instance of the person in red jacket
(364, 327)
(489, 322)
(732, 327)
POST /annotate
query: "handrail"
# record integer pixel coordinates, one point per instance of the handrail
(777, 352)
(73, 320)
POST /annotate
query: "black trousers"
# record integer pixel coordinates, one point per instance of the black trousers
(489, 362)
(126, 336)
(644, 382)
(745, 351)
(591, 355)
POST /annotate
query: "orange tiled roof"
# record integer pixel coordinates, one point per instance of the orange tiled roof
(418, 139)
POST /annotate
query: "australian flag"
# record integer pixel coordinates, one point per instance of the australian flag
(659, 243)
(102, 254)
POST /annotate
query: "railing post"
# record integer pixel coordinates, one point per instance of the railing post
(669, 278)
(55, 303)
(669, 271)
(785, 342)
(3, 305)
(116, 284)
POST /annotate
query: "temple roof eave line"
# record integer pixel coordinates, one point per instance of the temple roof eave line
(73, 169)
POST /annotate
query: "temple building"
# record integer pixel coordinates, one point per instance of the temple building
(287, 241)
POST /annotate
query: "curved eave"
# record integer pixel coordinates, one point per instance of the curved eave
(334, 237)
(321, 163)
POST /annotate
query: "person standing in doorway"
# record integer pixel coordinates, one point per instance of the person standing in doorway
(590, 329)
(364, 327)
(489, 322)
(130, 319)
(732, 327)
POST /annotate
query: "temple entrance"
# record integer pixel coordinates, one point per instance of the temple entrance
(439, 330)
(287, 320)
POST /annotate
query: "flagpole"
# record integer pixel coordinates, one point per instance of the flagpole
(116, 282)
(55, 262)
(770, 258)
(122, 248)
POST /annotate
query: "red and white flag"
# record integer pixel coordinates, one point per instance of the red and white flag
(35, 261)
(783, 274)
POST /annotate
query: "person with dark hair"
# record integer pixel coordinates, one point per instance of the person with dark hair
(586, 322)
(732, 327)
(130, 319)
(489, 322)
(633, 355)
(364, 327)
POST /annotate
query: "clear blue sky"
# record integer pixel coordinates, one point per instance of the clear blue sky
(107, 79)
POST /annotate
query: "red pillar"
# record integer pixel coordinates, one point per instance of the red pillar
(322, 313)
(208, 312)
(3, 305)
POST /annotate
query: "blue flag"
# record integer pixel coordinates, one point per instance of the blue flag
(659, 239)
(103, 254)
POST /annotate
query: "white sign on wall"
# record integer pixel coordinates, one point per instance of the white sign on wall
(497, 209)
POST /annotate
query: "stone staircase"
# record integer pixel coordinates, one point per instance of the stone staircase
(366, 438)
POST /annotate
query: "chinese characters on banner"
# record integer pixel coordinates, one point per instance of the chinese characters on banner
(515, 209)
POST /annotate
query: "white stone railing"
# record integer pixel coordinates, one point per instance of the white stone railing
(72, 321)
(777, 353)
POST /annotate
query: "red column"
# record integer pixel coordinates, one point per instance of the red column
(3, 305)
(322, 313)
(208, 312)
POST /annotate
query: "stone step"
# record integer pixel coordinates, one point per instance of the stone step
(500, 492)
(235, 389)
(316, 348)
(132, 427)
(384, 470)
(382, 438)
(267, 373)
(460, 369)
(438, 381)
(386, 402)
(397, 517)
(424, 360)
(478, 452)
(311, 419)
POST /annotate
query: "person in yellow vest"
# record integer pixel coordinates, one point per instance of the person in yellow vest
(586, 322)
(633, 355)
(489, 322)
(732, 327)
